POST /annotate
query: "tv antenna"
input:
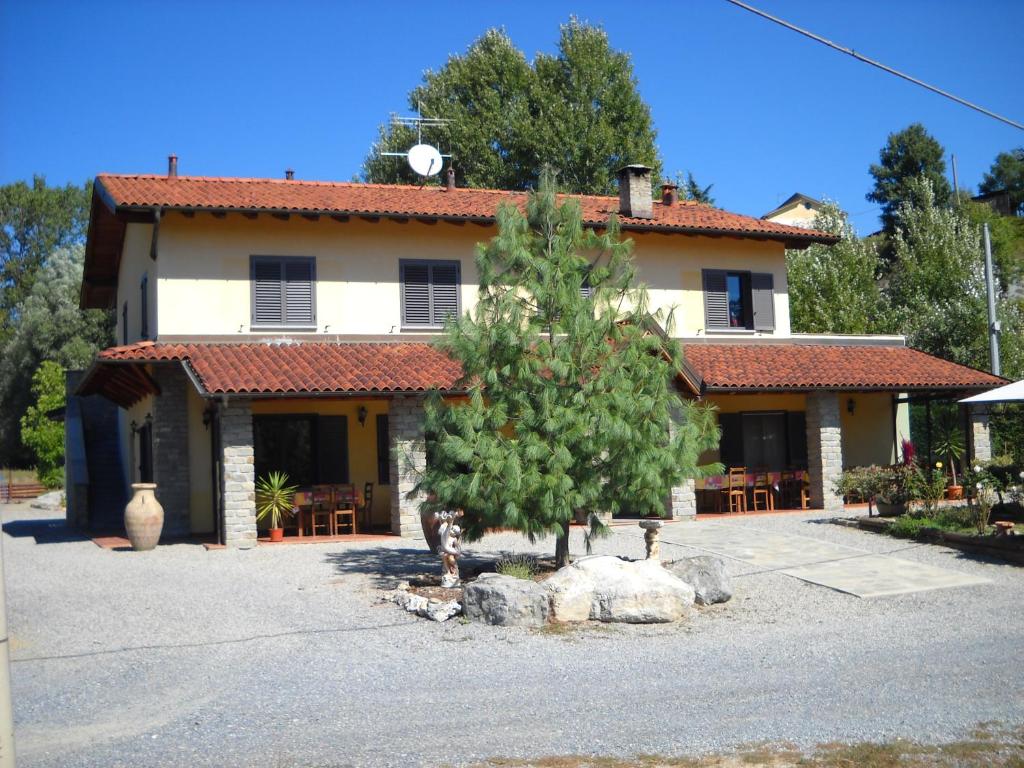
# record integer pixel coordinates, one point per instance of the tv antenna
(424, 159)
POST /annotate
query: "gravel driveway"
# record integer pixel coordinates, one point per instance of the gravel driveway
(284, 657)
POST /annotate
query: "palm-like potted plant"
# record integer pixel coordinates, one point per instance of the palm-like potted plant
(274, 499)
(949, 443)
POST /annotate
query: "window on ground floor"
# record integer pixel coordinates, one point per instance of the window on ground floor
(774, 440)
(311, 449)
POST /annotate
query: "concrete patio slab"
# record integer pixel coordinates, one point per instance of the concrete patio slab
(846, 569)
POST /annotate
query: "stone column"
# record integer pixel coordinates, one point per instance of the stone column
(824, 450)
(238, 474)
(981, 440)
(408, 460)
(170, 448)
(682, 500)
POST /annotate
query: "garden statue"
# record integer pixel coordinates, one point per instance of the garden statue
(449, 549)
(651, 528)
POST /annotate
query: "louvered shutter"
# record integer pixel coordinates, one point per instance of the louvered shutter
(298, 292)
(267, 307)
(586, 289)
(383, 450)
(332, 449)
(730, 447)
(763, 299)
(716, 299)
(444, 285)
(415, 294)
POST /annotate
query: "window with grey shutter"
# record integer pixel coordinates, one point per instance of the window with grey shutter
(430, 292)
(716, 299)
(283, 291)
(763, 300)
(586, 289)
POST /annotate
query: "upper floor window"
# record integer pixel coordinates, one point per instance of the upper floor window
(144, 307)
(739, 300)
(430, 292)
(283, 291)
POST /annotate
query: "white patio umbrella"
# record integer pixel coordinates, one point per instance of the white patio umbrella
(1010, 393)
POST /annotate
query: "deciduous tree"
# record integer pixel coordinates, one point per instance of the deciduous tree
(570, 392)
(41, 434)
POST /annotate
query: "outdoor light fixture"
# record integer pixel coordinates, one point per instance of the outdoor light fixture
(851, 406)
(361, 415)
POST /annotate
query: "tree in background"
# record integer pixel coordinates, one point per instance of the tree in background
(833, 288)
(50, 326)
(578, 111)
(937, 285)
(41, 434)
(690, 190)
(908, 154)
(35, 221)
(1007, 175)
(1006, 234)
(570, 392)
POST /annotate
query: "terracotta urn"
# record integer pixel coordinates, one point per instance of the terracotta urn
(143, 517)
(431, 530)
(955, 492)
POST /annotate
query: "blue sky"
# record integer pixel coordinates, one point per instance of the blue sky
(250, 88)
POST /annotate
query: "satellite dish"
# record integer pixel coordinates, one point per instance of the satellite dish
(425, 160)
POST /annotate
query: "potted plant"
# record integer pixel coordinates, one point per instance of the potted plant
(899, 483)
(274, 499)
(949, 443)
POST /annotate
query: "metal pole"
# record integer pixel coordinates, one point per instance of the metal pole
(6, 713)
(990, 289)
(956, 186)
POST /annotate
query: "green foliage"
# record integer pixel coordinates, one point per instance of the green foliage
(861, 483)
(908, 154)
(832, 288)
(569, 395)
(41, 434)
(274, 498)
(949, 519)
(578, 111)
(1007, 428)
(937, 286)
(50, 326)
(1007, 174)
(948, 438)
(517, 566)
(689, 189)
(1006, 234)
(930, 486)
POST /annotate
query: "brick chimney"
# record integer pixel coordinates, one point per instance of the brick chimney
(635, 192)
(172, 166)
(450, 181)
(289, 174)
(669, 193)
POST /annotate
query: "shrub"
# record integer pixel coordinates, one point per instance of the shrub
(907, 527)
(517, 566)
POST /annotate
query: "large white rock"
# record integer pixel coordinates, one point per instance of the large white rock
(506, 601)
(572, 592)
(706, 575)
(636, 592)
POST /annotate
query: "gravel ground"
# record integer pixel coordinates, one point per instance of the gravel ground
(285, 657)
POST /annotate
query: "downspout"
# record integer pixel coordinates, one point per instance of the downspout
(155, 240)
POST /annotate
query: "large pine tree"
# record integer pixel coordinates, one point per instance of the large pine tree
(571, 386)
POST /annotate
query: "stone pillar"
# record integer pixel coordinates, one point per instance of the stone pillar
(170, 448)
(238, 474)
(824, 450)
(682, 500)
(408, 460)
(981, 441)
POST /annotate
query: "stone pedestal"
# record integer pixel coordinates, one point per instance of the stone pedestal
(651, 530)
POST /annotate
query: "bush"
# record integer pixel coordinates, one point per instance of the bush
(43, 435)
(907, 527)
(517, 566)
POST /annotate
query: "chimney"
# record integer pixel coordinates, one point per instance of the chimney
(172, 166)
(289, 174)
(450, 183)
(669, 193)
(635, 192)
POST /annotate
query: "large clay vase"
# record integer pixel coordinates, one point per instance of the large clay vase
(143, 517)
(431, 531)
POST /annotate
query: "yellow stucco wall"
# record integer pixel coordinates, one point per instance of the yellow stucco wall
(798, 216)
(135, 263)
(362, 440)
(200, 467)
(204, 263)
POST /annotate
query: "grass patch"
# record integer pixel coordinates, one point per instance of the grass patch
(517, 566)
(949, 520)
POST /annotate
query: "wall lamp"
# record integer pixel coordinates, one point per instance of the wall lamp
(361, 415)
(851, 406)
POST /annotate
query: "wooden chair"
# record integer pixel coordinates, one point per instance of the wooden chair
(320, 513)
(366, 510)
(736, 492)
(763, 491)
(344, 510)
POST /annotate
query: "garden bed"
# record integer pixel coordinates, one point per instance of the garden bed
(1009, 548)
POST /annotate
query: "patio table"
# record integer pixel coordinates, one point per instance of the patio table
(302, 510)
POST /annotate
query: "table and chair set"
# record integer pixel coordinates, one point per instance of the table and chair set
(756, 490)
(331, 510)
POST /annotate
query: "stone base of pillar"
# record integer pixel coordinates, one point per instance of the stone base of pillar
(682, 502)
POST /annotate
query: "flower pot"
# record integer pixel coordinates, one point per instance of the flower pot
(277, 534)
(885, 509)
(955, 492)
(143, 517)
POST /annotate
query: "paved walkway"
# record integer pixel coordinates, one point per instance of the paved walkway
(856, 571)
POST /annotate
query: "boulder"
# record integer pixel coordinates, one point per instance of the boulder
(706, 575)
(572, 592)
(636, 592)
(506, 601)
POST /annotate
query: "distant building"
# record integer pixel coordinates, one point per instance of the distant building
(797, 211)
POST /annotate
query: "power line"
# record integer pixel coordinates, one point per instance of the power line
(873, 63)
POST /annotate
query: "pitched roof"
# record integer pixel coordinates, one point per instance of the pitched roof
(796, 197)
(802, 367)
(326, 369)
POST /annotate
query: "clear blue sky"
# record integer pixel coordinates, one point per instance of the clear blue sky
(250, 88)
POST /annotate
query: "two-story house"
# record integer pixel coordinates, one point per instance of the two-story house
(283, 324)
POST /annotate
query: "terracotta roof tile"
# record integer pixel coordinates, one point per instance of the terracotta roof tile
(203, 192)
(821, 366)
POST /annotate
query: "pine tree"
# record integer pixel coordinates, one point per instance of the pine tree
(570, 386)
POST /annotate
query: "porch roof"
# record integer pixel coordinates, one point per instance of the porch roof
(298, 369)
(754, 367)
